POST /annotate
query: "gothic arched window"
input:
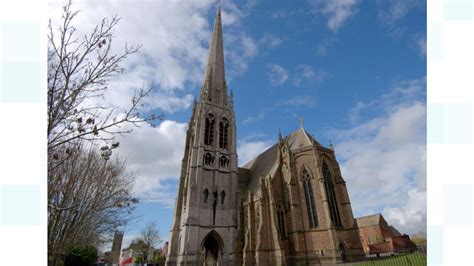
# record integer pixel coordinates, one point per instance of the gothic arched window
(308, 194)
(223, 133)
(206, 195)
(223, 161)
(208, 159)
(222, 197)
(209, 129)
(281, 222)
(329, 186)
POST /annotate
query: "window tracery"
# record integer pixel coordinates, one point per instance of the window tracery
(223, 133)
(309, 197)
(329, 187)
(209, 129)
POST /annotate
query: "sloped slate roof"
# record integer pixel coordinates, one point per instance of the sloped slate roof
(266, 163)
(300, 138)
(395, 232)
(370, 220)
(261, 166)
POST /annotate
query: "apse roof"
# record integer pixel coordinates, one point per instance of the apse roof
(265, 164)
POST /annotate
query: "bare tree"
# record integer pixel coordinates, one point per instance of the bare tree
(88, 199)
(79, 69)
(147, 241)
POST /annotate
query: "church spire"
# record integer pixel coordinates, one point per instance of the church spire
(214, 88)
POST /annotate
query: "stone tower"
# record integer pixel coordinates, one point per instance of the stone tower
(205, 222)
(116, 247)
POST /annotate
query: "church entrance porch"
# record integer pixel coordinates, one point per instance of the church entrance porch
(211, 250)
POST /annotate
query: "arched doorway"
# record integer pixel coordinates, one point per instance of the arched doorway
(342, 251)
(211, 249)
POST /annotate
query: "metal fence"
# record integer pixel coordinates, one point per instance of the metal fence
(412, 256)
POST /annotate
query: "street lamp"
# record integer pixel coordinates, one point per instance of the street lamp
(107, 150)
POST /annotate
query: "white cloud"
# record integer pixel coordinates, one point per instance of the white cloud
(383, 159)
(336, 11)
(402, 92)
(421, 45)
(412, 216)
(306, 71)
(271, 40)
(277, 74)
(280, 14)
(305, 74)
(169, 102)
(245, 49)
(174, 36)
(248, 149)
(253, 119)
(324, 45)
(154, 154)
(298, 101)
(391, 11)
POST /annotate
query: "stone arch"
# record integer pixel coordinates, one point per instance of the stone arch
(305, 168)
(342, 251)
(212, 249)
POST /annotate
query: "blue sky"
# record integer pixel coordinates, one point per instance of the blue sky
(355, 71)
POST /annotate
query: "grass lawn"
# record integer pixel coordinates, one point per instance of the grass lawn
(415, 259)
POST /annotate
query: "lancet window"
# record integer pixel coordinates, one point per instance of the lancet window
(208, 159)
(222, 196)
(223, 162)
(206, 195)
(329, 186)
(309, 197)
(223, 133)
(209, 129)
(281, 222)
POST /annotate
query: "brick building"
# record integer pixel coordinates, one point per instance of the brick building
(378, 236)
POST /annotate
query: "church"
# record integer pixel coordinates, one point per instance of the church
(287, 206)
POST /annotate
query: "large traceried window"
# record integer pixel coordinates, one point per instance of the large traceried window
(281, 222)
(308, 194)
(329, 186)
(223, 133)
(209, 129)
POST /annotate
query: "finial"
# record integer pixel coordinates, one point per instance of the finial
(231, 93)
(331, 146)
(195, 101)
(280, 138)
(301, 122)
